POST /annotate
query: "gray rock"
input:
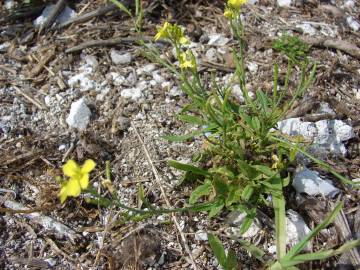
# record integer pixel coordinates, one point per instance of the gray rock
(123, 123)
(132, 93)
(120, 58)
(211, 55)
(296, 229)
(79, 116)
(91, 61)
(64, 16)
(309, 182)
(201, 236)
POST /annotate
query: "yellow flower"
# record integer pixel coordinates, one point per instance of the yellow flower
(184, 40)
(186, 60)
(79, 178)
(228, 13)
(163, 31)
(236, 3)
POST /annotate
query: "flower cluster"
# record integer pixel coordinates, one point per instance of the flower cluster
(78, 178)
(175, 34)
(233, 7)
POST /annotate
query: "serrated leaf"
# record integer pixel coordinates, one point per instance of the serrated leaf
(200, 191)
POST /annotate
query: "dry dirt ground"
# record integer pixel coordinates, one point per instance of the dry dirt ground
(38, 84)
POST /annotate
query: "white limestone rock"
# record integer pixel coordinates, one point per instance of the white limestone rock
(353, 24)
(132, 93)
(218, 40)
(296, 229)
(79, 116)
(120, 58)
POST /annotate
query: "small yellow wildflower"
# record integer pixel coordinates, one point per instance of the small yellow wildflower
(79, 178)
(163, 32)
(184, 40)
(228, 13)
(185, 60)
(236, 3)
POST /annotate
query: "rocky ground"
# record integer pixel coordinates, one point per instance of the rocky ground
(105, 101)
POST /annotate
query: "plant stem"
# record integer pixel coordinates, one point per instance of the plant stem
(280, 224)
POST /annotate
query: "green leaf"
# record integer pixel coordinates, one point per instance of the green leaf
(191, 119)
(221, 187)
(252, 249)
(200, 191)
(255, 123)
(218, 249)
(246, 169)
(223, 171)
(247, 193)
(216, 208)
(231, 261)
(188, 168)
(234, 195)
(319, 255)
(263, 100)
(248, 220)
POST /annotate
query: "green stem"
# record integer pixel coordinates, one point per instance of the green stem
(280, 225)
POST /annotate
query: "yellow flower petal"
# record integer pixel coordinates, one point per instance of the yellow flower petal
(88, 166)
(236, 3)
(63, 195)
(70, 168)
(73, 188)
(184, 40)
(84, 181)
(228, 13)
(162, 31)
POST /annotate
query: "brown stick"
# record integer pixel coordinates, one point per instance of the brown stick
(341, 45)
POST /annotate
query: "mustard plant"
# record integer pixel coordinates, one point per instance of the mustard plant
(244, 158)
